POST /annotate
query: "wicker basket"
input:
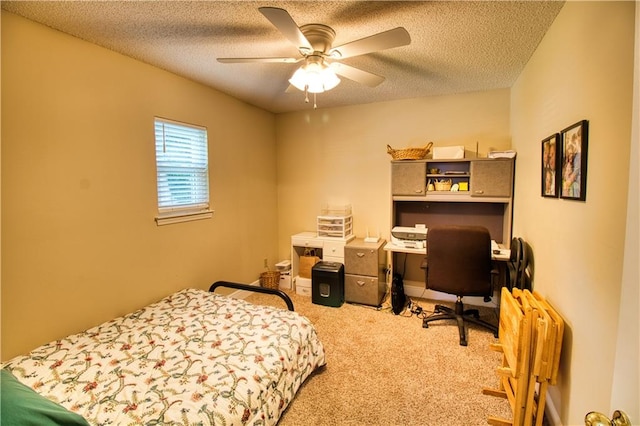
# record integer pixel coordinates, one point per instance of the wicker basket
(409, 153)
(442, 185)
(270, 279)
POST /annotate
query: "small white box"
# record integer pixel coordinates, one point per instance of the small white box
(285, 280)
(448, 152)
(303, 286)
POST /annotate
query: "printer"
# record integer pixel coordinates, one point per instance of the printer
(409, 237)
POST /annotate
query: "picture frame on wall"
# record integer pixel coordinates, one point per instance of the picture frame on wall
(550, 160)
(573, 161)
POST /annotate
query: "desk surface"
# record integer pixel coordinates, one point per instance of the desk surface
(502, 256)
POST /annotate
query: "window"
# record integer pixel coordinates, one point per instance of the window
(182, 172)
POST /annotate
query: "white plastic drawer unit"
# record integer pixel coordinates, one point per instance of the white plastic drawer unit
(335, 226)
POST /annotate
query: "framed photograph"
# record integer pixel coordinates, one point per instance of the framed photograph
(550, 160)
(575, 141)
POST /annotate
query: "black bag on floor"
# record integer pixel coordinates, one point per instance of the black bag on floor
(398, 298)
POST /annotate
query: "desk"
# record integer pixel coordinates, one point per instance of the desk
(503, 256)
(488, 203)
(501, 259)
(329, 249)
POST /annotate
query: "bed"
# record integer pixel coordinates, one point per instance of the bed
(192, 358)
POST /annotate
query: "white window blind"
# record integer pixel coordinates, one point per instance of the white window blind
(182, 171)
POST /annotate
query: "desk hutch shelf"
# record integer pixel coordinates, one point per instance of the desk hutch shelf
(487, 200)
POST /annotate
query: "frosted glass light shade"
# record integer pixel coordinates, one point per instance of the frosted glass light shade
(314, 78)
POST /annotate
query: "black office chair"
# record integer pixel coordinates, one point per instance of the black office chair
(458, 262)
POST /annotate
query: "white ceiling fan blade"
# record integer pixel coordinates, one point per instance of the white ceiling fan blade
(281, 19)
(266, 60)
(385, 40)
(356, 74)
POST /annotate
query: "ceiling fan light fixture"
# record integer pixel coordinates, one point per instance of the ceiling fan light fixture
(314, 77)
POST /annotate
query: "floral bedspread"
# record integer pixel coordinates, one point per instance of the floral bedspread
(193, 358)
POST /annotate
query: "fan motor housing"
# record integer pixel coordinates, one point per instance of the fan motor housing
(319, 36)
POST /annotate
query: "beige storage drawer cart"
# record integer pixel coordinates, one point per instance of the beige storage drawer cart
(364, 265)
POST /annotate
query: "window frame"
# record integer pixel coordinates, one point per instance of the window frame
(179, 212)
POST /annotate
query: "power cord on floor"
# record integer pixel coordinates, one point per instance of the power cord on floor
(414, 309)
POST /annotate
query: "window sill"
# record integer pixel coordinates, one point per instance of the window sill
(168, 219)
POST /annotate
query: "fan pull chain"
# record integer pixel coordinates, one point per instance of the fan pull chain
(306, 97)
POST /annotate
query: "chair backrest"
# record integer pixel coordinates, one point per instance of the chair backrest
(459, 260)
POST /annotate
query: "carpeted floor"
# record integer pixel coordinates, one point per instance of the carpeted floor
(384, 369)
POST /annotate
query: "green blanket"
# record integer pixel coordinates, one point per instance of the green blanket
(22, 406)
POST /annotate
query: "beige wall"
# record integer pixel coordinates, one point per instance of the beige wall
(73, 229)
(339, 155)
(79, 241)
(583, 69)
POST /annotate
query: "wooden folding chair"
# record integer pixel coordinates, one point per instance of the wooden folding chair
(515, 338)
(530, 336)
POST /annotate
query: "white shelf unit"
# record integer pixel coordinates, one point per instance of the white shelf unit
(331, 249)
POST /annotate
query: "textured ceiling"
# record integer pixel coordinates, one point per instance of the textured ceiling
(456, 47)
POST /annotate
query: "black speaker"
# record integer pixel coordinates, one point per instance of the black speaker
(327, 284)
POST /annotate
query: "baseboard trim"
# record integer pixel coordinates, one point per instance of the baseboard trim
(416, 289)
(411, 289)
(551, 413)
(243, 294)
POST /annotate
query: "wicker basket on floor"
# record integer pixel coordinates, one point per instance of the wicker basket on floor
(409, 153)
(270, 279)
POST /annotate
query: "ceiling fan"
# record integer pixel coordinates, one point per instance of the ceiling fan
(321, 60)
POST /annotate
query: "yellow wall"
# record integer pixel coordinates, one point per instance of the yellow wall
(583, 69)
(79, 241)
(339, 155)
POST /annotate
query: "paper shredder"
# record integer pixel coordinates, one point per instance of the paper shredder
(327, 284)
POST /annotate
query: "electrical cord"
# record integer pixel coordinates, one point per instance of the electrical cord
(417, 310)
(411, 307)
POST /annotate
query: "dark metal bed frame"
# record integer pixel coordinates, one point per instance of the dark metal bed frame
(255, 289)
